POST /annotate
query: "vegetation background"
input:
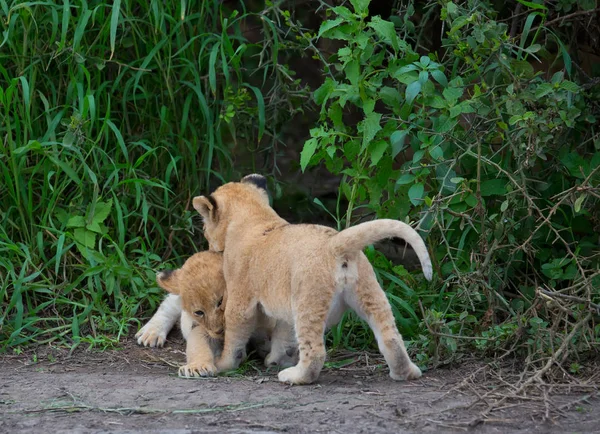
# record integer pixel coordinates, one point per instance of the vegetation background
(477, 121)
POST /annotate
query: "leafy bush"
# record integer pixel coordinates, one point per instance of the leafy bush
(499, 165)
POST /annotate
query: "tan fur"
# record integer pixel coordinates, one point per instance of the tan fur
(201, 287)
(305, 275)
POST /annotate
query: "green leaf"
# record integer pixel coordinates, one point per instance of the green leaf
(579, 202)
(406, 77)
(587, 5)
(377, 149)
(102, 211)
(463, 107)
(361, 6)
(76, 222)
(543, 90)
(412, 90)
(504, 206)
(443, 124)
(415, 194)
(493, 187)
(390, 97)
(368, 106)
(119, 137)
(65, 23)
(569, 86)
(471, 200)
(444, 175)
(407, 178)
(212, 68)
(322, 93)
(532, 5)
(328, 25)
(418, 156)
(522, 68)
(436, 153)
(452, 8)
(343, 12)
(452, 94)
(398, 139)
(114, 22)
(94, 227)
(371, 126)
(385, 30)
(261, 109)
(352, 71)
(66, 168)
(310, 146)
(440, 77)
(69, 139)
(85, 238)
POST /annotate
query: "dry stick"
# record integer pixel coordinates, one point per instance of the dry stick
(585, 398)
(566, 17)
(591, 305)
(460, 385)
(539, 373)
(515, 20)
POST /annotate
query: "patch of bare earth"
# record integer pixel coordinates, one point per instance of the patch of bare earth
(136, 390)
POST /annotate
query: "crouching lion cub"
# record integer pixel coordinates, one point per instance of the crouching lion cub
(307, 275)
(198, 296)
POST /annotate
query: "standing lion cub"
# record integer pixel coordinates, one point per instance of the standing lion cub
(306, 275)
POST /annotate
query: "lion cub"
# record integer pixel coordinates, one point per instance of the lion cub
(197, 296)
(306, 275)
(201, 326)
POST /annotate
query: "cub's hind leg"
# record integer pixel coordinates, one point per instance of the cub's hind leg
(154, 333)
(284, 349)
(370, 302)
(311, 309)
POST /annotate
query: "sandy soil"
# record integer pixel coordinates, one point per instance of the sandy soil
(136, 390)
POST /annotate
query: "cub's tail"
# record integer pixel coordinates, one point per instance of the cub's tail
(359, 236)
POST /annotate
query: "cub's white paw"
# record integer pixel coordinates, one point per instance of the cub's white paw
(151, 335)
(294, 375)
(412, 372)
(198, 369)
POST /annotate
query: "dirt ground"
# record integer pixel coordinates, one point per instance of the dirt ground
(136, 390)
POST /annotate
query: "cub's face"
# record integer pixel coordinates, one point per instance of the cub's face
(201, 286)
(234, 199)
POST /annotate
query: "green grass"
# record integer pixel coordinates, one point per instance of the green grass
(113, 116)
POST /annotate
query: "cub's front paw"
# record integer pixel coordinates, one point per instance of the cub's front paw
(228, 363)
(198, 369)
(411, 372)
(151, 335)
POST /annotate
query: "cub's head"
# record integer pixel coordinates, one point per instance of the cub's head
(201, 286)
(234, 200)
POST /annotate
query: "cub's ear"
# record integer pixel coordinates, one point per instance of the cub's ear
(255, 179)
(167, 280)
(206, 207)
